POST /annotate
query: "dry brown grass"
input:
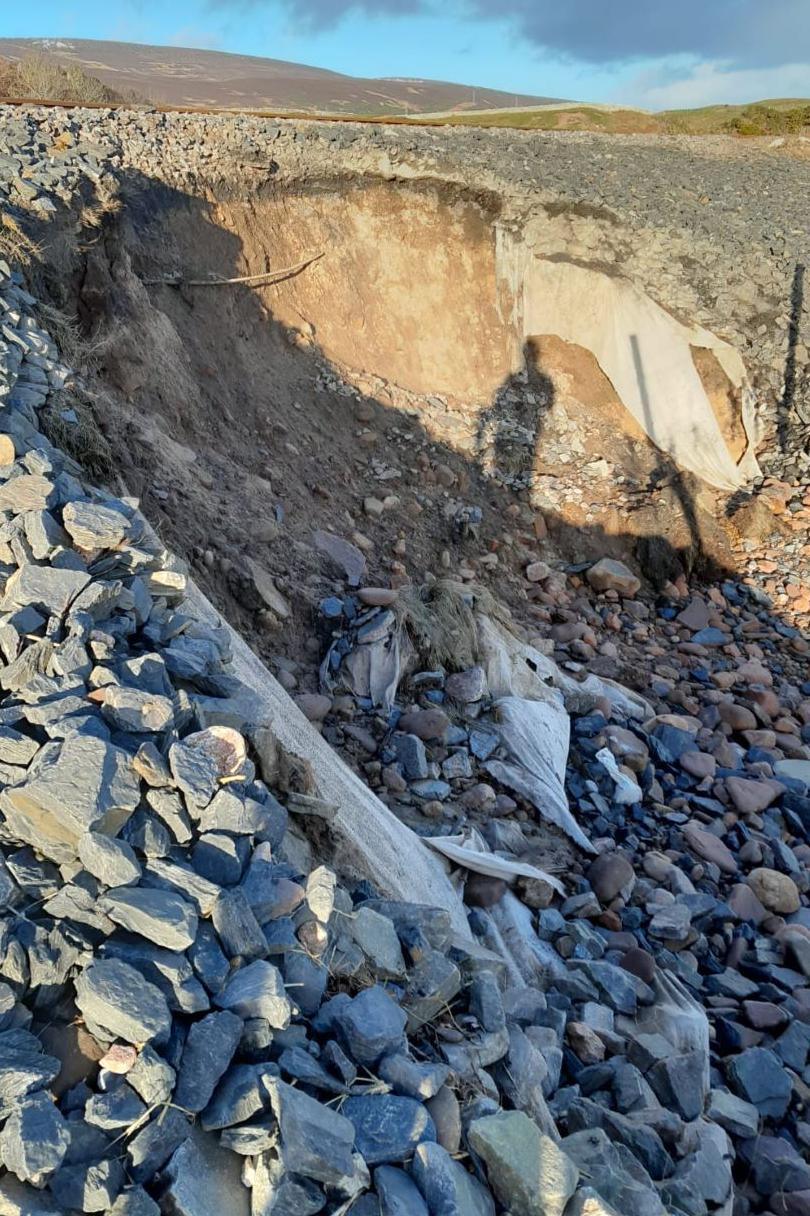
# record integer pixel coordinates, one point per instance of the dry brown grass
(82, 439)
(40, 78)
(15, 246)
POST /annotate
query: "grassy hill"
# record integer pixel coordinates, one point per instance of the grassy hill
(780, 116)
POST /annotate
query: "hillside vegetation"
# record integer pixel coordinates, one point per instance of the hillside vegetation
(773, 117)
(41, 78)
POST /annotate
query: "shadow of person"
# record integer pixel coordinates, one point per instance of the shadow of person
(787, 401)
(510, 428)
(667, 472)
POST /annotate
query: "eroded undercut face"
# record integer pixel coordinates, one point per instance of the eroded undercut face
(300, 347)
(440, 291)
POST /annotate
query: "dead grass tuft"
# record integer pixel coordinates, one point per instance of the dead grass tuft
(71, 424)
(15, 246)
(41, 78)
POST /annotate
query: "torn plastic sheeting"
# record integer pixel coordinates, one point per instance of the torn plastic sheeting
(627, 791)
(536, 735)
(462, 850)
(371, 669)
(516, 669)
(676, 1016)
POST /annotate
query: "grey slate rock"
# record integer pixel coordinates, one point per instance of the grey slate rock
(527, 1170)
(285, 1194)
(209, 1048)
(257, 991)
(638, 1137)
(162, 917)
(371, 1025)
(266, 885)
(307, 979)
(776, 1165)
(398, 1194)
(217, 857)
(388, 1127)
(208, 960)
(150, 765)
(87, 1143)
(759, 1076)
(147, 835)
(678, 1083)
(154, 1144)
(619, 989)
(134, 1201)
(250, 1139)
(16, 748)
(111, 861)
(202, 1178)
(237, 928)
(793, 1047)
(46, 588)
(88, 1188)
(195, 772)
(228, 812)
(614, 1172)
(152, 1077)
(114, 1109)
(134, 709)
(24, 1070)
(736, 1116)
(446, 1185)
(412, 757)
(434, 923)
(168, 806)
(413, 1080)
(114, 995)
(377, 938)
(703, 1177)
(169, 970)
(242, 1093)
(93, 526)
(297, 1063)
(168, 875)
(316, 1141)
(90, 786)
(334, 1057)
(35, 1138)
(432, 985)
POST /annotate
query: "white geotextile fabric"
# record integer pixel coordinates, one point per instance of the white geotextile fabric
(645, 353)
(469, 849)
(368, 837)
(536, 736)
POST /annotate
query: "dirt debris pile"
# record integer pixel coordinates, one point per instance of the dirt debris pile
(614, 759)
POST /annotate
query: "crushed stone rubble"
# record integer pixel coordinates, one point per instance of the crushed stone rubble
(196, 1018)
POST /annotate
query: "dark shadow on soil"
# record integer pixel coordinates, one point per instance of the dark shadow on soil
(788, 401)
(667, 472)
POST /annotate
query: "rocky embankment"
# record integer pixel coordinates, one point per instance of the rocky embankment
(197, 1017)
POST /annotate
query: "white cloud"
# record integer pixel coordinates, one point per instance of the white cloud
(714, 83)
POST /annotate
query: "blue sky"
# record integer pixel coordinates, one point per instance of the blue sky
(644, 52)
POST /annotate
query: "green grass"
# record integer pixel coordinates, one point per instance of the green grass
(773, 117)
